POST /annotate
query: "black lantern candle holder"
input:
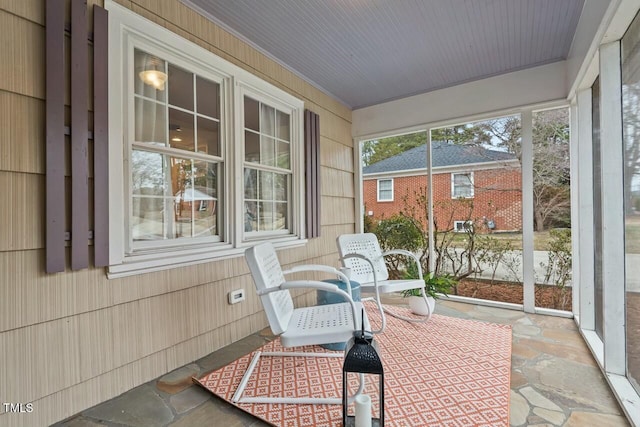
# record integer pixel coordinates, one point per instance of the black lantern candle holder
(361, 356)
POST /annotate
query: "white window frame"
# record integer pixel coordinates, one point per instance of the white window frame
(296, 152)
(128, 30)
(453, 185)
(380, 199)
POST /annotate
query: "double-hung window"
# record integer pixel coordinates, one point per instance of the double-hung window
(385, 190)
(205, 158)
(266, 168)
(176, 165)
(462, 185)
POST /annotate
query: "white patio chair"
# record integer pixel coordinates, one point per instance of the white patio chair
(303, 326)
(362, 254)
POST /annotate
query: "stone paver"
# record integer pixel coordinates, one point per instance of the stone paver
(554, 381)
(178, 380)
(526, 330)
(188, 399)
(555, 417)
(583, 419)
(536, 399)
(140, 407)
(519, 409)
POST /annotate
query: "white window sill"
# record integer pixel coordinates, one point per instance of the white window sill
(151, 262)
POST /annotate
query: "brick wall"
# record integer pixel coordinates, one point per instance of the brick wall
(497, 197)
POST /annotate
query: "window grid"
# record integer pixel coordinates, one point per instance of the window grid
(267, 169)
(462, 185)
(385, 190)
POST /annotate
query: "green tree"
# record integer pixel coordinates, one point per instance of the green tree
(376, 150)
(462, 134)
(551, 164)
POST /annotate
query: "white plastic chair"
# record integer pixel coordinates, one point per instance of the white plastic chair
(361, 253)
(303, 326)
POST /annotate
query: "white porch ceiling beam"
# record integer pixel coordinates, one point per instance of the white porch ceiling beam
(498, 94)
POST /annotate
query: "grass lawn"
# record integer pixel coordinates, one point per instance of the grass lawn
(632, 234)
(541, 239)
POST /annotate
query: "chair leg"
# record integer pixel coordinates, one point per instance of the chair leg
(238, 398)
(384, 309)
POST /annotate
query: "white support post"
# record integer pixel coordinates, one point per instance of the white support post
(585, 233)
(612, 156)
(432, 249)
(528, 278)
(574, 153)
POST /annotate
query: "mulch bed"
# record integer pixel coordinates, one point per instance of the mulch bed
(546, 296)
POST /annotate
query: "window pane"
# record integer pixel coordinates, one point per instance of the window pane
(251, 114)
(181, 130)
(208, 137)
(208, 94)
(552, 208)
(597, 205)
(282, 125)
(479, 240)
(631, 133)
(205, 199)
(250, 184)
(281, 215)
(267, 151)
(147, 218)
(180, 88)
(265, 186)
(205, 179)
(267, 120)
(150, 122)
(266, 219)
(147, 173)
(251, 147)
(280, 186)
(151, 68)
(195, 186)
(283, 155)
(251, 216)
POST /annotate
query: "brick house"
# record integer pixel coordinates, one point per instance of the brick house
(470, 183)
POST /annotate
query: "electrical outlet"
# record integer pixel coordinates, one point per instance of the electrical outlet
(236, 296)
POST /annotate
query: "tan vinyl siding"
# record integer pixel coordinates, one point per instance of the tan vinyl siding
(71, 340)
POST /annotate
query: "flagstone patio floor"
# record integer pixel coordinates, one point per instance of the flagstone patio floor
(554, 381)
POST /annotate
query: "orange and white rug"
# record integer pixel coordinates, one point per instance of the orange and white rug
(446, 372)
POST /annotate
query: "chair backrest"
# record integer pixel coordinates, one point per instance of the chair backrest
(365, 244)
(267, 273)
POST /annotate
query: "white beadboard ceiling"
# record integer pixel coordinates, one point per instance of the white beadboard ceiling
(365, 52)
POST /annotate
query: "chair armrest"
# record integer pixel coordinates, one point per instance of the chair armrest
(410, 255)
(311, 267)
(322, 268)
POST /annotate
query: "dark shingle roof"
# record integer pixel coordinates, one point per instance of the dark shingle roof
(442, 154)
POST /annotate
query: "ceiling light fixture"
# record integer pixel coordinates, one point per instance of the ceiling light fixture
(154, 78)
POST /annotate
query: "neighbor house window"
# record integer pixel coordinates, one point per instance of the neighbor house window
(462, 185)
(462, 226)
(385, 190)
(182, 189)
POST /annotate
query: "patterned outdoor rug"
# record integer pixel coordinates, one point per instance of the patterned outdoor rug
(446, 372)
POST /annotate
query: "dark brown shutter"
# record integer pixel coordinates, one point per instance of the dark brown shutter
(312, 171)
(100, 137)
(54, 187)
(78, 192)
